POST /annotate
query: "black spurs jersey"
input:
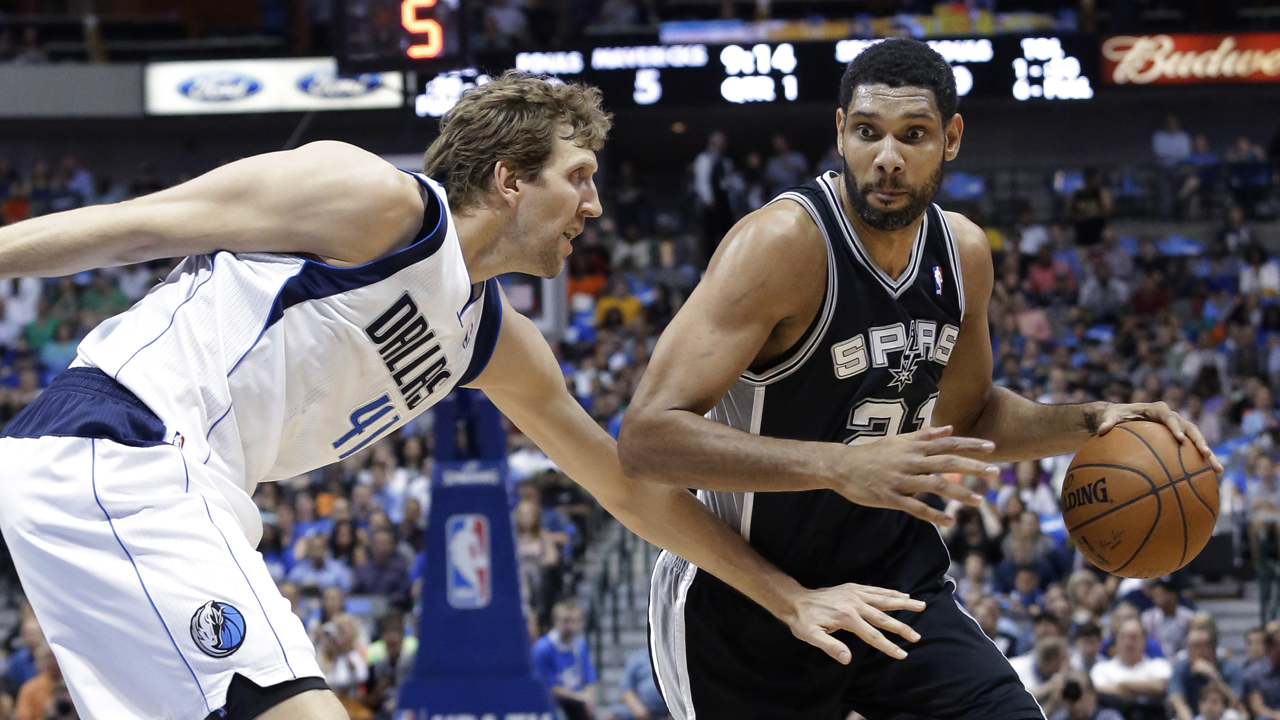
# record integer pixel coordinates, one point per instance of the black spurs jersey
(867, 367)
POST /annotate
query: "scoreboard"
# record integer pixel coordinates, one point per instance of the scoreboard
(381, 35)
(429, 37)
(1026, 69)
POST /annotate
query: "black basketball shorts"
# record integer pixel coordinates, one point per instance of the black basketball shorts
(719, 656)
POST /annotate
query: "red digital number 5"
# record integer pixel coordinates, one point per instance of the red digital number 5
(435, 34)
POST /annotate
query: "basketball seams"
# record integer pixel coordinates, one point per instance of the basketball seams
(1183, 512)
(1152, 450)
(1153, 491)
(1195, 492)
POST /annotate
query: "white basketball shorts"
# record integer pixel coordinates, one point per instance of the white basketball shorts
(141, 577)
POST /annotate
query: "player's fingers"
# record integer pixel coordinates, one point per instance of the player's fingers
(890, 624)
(942, 487)
(1108, 422)
(1202, 445)
(930, 433)
(818, 638)
(873, 590)
(889, 604)
(914, 507)
(952, 445)
(1172, 421)
(875, 638)
(957, 464)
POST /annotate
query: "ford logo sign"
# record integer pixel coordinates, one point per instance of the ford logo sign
(329, 85)
(220, 87)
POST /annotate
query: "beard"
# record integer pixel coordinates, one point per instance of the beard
(918, 200)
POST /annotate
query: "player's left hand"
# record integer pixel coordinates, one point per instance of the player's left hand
(1182, 429)
(860, 609)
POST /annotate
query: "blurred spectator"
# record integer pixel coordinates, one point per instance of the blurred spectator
(1089, 207)
(343, 664)
(58, 353)
(21, 663)
(1150, 298)
(1171, 144)
(1255, 649)
(1041, 671)
(1045, 274)
(31, 53)
(1131, 673)
(1086, 646)
(386, 573)
(583, 278)
(1080, 701)
(987, 614)
(390, 661)
(1032, 236)
(1102, 293)
(538, 557)
(1244, 151)
(1260, 272)
(1262, 681)
(641, 699)
(710, 170)
(7, 50)
(1202, 666)
(36, 694)
(1167, 622)
(1236, 235)
(563, 661)
(786, 168)
(1214, 703)
(619, 299)
(319, 571)
(104, 297)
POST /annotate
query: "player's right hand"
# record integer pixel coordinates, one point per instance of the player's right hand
(891, 471)
(860, 609)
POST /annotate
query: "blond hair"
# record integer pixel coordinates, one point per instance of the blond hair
(515, 118)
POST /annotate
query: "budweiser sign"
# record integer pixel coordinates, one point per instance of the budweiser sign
(1191, 59)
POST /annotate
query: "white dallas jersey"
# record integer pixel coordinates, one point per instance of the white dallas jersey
(264, 366)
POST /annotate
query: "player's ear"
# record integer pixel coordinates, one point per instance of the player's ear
(953, 131)
(505, 182)
(840, 118)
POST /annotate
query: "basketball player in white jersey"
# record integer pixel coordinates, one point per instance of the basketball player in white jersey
(326, 298)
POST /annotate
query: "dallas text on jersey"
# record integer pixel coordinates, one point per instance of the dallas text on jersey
(399, 333)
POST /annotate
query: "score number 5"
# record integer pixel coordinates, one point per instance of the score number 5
(418, 26)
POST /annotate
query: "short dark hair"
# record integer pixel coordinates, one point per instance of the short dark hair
(902, 62)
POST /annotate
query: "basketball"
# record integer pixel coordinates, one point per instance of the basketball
(1138, 503)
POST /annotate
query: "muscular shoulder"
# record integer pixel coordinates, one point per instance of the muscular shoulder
(975, 258)
(779, 240)
(387, 202)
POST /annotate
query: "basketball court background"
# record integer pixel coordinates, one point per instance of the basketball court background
(102, 101)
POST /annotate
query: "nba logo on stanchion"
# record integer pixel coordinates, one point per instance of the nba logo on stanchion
(470, 581)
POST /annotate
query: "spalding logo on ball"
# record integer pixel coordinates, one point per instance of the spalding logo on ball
(1139, 504)
(217, 628)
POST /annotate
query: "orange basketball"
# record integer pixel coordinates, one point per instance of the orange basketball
(1137, 503)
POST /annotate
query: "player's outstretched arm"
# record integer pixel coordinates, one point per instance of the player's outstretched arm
(768, 272)
(327, 199)
(1020, 428)
(524, 381)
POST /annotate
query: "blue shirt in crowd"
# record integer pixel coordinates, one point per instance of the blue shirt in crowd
(638, 678)
(563, 665)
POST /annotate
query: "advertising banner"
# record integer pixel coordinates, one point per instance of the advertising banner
(253, 86)
(1191, 59)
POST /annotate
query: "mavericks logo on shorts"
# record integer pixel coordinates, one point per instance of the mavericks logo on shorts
(217, 628)
(469, 581)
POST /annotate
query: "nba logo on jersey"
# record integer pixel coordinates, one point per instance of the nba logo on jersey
(470, 584)
(937, 277)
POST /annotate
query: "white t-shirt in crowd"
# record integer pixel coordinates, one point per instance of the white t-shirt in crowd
(1109, 673)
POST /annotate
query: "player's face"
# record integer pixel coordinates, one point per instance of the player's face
(556, 208)
(894, 143)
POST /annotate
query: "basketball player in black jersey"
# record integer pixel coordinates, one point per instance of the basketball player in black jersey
(828, 364)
